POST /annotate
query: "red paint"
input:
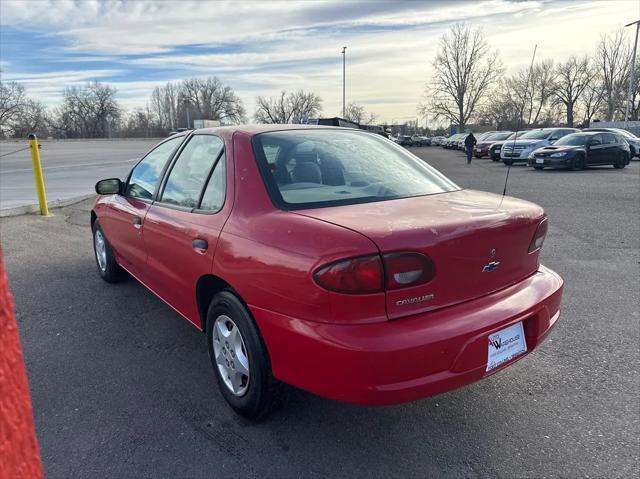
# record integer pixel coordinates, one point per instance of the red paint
(374, 348)
(19, 455)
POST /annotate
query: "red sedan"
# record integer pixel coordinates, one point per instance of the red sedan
(329, 259)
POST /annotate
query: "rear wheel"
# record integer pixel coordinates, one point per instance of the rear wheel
(621, 161)
(108, 268)
(240, 359)
(577, 163)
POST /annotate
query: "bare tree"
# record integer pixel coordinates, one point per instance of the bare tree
(210, 99)
(33, 118)
(572, 79)
(291, 107)
(89, 111)
(138, 123)
(12, 100)
(163, 105)
(465, 69)
(613, 57)
(592, 100)
(541, 86)
(358, 113)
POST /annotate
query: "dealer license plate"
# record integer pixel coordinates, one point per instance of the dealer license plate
(478, 150)
(506, 345)
(540, 160)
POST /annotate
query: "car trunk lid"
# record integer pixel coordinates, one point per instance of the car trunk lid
(477, 241)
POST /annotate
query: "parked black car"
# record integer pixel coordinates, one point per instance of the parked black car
(405, 140)
(579, 150)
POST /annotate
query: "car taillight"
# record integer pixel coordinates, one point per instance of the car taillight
(356, 275)
(538, 237)
(407, 269)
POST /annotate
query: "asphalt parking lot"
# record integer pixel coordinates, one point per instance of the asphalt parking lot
(123, 387)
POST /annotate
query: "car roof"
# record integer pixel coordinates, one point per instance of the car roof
(590, 133)
(257, 129)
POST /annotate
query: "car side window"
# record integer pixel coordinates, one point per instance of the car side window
(146, 174)
(609, 139)
(190, 171)
(556, 135)
(596, 140)
(214, 194)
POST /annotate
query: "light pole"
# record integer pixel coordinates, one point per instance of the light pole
(344, 55)
(185, 102)
(633, 69)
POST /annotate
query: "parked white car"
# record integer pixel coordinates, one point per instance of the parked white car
(520, 149)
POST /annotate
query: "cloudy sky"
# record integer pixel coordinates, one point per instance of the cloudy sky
(262, 47)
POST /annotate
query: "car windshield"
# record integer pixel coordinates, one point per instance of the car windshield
(326, 167)
(519, 134)
(535, 135)
(574, 139)
(501, 136)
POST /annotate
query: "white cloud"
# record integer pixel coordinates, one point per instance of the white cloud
(291, 45)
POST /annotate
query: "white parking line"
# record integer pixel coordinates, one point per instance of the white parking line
(76, 165)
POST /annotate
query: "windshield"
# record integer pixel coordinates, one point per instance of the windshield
(535, 135)
(574, 139)
(326, 167)
(500, 136)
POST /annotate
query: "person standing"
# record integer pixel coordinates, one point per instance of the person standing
(469, 143)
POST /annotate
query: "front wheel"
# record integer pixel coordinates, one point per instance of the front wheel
(508, 162)
(108, 268)
(577, 163)
(240, 359)
(538, 167)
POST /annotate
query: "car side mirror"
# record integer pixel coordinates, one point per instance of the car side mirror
(110, 186)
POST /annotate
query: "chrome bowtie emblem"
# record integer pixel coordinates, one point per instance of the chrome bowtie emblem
(492, 253)
(488, 268)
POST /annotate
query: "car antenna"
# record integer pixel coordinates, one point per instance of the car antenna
(519, 124)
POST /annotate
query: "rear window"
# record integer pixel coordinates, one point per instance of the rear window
(327, 167)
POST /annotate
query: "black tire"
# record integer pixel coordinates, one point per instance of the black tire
(496, 159)
(538, 167)
(508, 162)
(111, 272)
(577, 163)
(620, 162)
(264, 393)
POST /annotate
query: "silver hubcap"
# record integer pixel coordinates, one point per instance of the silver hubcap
(231, 355)
(101, 250)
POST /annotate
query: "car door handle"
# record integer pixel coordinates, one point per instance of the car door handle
(136, 221)
(200, 245)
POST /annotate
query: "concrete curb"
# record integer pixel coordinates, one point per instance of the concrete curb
(32, 209)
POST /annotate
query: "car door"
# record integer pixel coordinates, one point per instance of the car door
(596, 153)
(610, 148)
(182, 226)
(125, 214)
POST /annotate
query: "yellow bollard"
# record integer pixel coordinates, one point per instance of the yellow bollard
(37, 174)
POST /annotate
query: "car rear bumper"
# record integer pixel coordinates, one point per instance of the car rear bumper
(411, 358)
